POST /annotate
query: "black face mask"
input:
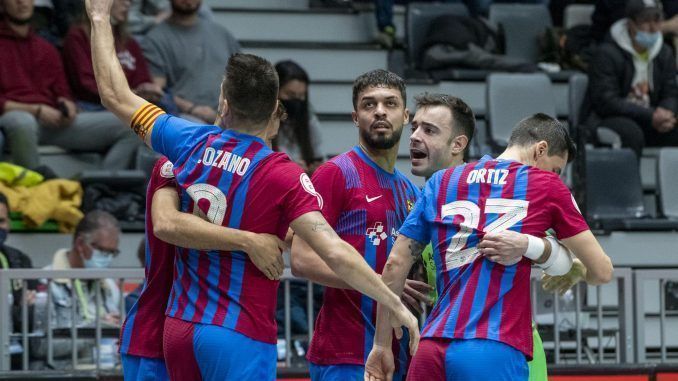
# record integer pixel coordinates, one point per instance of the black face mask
(296, 108)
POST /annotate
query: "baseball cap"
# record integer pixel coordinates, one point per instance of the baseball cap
(643, 10)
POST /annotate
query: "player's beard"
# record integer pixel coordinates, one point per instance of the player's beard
(18, 21)
(185, 11)
(381, 141)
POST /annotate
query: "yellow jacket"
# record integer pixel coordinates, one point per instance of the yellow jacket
(53, 199)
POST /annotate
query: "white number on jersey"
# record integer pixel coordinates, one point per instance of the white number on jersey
(511, 211)
(216, 198)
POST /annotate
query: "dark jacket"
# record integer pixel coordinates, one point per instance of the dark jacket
(18, 260)
(610, 76)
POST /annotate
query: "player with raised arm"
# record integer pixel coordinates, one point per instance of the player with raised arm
(365, 199)
(480, 326)
(221, 311)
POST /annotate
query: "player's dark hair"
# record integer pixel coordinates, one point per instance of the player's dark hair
(296, 128)
(463, 120)
(250, 87)
(378, 78)
(93, 221)
(540, 127)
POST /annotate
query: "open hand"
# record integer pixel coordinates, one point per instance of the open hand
(506, 247)
(380, 364)
(415, 293)
(264, 251)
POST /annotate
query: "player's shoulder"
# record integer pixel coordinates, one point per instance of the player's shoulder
(163, 168)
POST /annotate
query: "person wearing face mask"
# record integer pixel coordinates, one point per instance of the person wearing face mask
(95, 244)
(632, 80)
(299, 135)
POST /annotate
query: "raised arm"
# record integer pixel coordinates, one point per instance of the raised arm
(347, 263)
(188, 230)
(114, 90)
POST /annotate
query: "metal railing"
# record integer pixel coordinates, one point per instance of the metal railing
(23, 275)
(597, 316)
(582, 332)
(660, 278)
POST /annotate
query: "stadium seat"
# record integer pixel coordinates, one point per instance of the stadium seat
(512, 97)
(418, 18)
(577, 85)
(578, 14)
(615, 194)
(668, 182)
(522, 25)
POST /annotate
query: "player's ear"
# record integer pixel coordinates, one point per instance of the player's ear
(224, 109)
(407, 116)
(459, 144)
(354, 116)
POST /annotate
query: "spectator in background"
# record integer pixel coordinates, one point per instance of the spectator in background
(607, 12)
(299, 135)
(145, 14)
(633, 80)
(35, 100)
(187, 55)
(95, 243)
(11, 258)
(78, 60)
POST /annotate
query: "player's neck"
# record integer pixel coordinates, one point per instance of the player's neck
(384, 158)
(516, 154)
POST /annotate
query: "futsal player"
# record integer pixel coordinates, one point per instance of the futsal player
(232, 177)
(480, 326)
(366, 199)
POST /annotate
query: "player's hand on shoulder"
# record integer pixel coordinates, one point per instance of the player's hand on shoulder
(265, 252)
(380, 364)
(506, 247)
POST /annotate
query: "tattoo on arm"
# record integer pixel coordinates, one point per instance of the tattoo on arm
(416, 248)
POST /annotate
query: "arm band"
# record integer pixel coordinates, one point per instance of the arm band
(535, 247)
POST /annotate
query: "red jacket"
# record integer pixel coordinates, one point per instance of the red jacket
(78, 62)
(30, 70)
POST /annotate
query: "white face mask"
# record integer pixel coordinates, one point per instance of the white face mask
(99, 260)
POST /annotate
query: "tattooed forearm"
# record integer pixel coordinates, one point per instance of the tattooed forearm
(416, 248)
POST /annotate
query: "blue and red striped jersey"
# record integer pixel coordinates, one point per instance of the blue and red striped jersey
(141, 333)
(234, 180)
(366, 206)
(479, 298)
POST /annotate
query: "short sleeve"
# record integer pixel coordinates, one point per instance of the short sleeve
(162, 175)
(176, 138)
(566, 219)
(417, 226)
(300, 196)
(330, 183)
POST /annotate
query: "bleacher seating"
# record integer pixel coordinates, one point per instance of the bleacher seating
(512, 97)
(577, 14)
(522, 25)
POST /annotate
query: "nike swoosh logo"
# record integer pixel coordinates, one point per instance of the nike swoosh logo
(373, 198)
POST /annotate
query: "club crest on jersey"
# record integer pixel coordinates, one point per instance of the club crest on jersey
(307, 184)
(410, 205)
(166, 170)
(376, 234)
